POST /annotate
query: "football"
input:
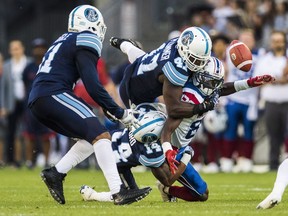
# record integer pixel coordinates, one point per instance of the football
(240, 55)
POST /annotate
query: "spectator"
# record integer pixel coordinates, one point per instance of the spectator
(241, 109)
(201, 15)
(221, 12)
(219, 49)
(2, 120)
(34, 131)
(275, 95)
(13, 96)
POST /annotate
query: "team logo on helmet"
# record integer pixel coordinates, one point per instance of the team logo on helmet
(91, 15)
(187, 38)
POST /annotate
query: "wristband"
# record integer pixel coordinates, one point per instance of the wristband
(240, 85)
(185, 158)
(166, 146)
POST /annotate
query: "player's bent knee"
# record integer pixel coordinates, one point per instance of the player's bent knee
(105, 135)
(205, 196)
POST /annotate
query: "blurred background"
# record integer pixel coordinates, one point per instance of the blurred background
(151, 23)
(148, 21)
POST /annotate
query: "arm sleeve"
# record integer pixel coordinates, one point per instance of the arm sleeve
(86, 64)
(176, 76)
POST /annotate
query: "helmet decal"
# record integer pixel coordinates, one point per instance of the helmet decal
(91, 14)
(187, 38)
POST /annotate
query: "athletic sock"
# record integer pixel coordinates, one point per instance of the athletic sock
(79, 152)
(107, 163)
(102, 196)
(281, 181)
(131, 51)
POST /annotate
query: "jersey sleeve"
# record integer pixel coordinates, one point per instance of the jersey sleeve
(86, 65)
(175, 75)
(89, 41)
(153, 161)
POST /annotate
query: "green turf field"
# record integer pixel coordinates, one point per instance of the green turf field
(23, 193)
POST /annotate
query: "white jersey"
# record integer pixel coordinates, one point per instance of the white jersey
(183, 135)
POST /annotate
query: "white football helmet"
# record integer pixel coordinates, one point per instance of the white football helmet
(215, 121)
(147, 107)
(151, 127)
(87, 18)
(211, 77)
(194, 46)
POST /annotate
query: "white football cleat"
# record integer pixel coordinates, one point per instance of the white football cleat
(165, 196)
(269, 202)
(86, 192)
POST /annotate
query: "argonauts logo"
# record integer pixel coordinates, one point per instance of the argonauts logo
(187, 38)
(91, 15)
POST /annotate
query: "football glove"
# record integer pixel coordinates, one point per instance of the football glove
(171, 160)
(128, 119)
(109, 115)
(209, 104)
(260, 80)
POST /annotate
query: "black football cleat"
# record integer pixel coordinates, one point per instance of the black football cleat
(116, 42)
(125, 197)
(54, 181)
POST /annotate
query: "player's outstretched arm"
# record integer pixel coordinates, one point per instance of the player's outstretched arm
(86, 64)
(239, 85)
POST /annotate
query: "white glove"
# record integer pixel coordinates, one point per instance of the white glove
(129, 119)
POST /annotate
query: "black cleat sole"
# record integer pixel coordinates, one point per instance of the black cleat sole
(134, 199)
(52, 192)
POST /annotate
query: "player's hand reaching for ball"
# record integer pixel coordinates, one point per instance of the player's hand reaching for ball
(260, 80)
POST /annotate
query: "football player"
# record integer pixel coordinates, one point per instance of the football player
(129, 152)
(199, 87)
(281, 182)
(72, 56)
(165, 71)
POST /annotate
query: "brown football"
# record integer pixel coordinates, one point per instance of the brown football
(240, 55)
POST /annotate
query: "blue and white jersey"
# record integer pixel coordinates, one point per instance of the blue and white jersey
(188, 127)
(144, 72)
(128, 152)
(58, 71)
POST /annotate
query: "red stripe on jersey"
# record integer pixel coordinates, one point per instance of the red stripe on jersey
(189, 97)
